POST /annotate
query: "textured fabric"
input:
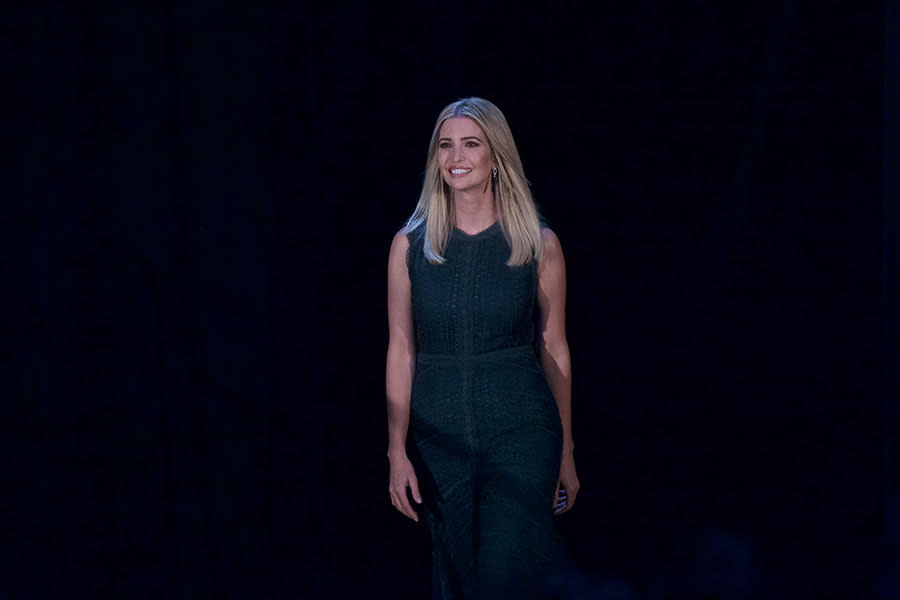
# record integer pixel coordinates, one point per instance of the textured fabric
(486, 436)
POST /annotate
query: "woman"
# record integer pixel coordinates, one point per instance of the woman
(491, 453)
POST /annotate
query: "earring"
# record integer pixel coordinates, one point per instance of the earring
(494, 180)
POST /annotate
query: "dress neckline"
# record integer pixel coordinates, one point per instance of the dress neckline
(489, 230)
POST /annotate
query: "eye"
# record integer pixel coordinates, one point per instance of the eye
(444, 145)
(472, 144)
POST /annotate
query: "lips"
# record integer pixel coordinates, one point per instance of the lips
(460, 172)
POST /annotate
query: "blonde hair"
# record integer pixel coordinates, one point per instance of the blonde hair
(516, 211)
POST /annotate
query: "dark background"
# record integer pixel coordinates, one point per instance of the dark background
(200, 203)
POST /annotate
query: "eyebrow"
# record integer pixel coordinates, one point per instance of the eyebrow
(468, 137)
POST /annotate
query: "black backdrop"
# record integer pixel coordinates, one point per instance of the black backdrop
(202, 200)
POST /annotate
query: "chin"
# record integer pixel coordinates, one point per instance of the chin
(461, 186)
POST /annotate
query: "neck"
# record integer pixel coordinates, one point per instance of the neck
(474, 211)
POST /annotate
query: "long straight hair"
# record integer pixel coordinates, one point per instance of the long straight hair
(516, 211)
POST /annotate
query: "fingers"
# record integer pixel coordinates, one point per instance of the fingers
(400, 500)
(401, 503)
(414, 488)
(403, 476)
(562, 501)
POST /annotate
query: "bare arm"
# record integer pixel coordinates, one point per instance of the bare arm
(554, 350)
(398, 377)
(553, 344)
(401, 347)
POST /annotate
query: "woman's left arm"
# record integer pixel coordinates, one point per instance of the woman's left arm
(554, 349)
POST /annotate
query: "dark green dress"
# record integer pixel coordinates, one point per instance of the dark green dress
(486, 436)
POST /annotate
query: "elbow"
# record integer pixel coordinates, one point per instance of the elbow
(556, 345)
(400, 354)
(556, 352)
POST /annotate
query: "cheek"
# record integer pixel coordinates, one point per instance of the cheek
(443, 171)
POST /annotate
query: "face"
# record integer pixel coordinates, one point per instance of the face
(464, 155)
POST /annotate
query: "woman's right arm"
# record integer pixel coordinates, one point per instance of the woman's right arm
(401, 357)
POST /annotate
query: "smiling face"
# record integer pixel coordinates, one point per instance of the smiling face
(464, 155)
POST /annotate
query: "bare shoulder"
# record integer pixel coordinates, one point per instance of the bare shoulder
(551, 274)
(552, 247)
(549, 235)
(400, 243)
(401, 238)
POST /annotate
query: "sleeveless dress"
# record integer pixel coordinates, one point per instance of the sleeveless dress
(485, 432)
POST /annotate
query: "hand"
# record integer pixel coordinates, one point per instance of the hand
(403, 476)
(567, 486)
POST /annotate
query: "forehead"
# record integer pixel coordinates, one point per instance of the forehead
(460, 127)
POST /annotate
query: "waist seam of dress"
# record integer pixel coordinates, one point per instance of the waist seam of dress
(459, 356)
